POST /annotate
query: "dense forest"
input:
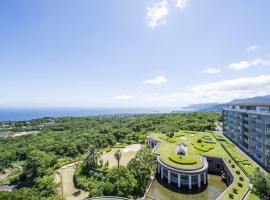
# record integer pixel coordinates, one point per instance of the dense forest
(38, 154)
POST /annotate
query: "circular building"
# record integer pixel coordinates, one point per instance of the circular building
(176, 164)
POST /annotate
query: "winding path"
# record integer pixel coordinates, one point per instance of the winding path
(64, 176)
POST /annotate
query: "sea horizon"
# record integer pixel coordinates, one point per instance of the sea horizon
(28, 113)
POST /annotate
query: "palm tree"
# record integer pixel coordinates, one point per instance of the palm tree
(92, 157)
(118, 156)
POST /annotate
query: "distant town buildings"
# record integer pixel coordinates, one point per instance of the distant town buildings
(248, 126)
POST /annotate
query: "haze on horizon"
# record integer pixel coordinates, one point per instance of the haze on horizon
(143, 53)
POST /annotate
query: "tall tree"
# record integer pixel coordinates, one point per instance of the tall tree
(118, 156)
(141, 166)
(261, 183)
(92, 157)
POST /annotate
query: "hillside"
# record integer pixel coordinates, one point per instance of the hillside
(216, 107)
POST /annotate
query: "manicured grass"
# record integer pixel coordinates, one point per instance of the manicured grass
(253, 196)
(202, 146)
(105, 150)
(167, 149)
(244, 162)
(167, 139)
(120, 146)
(241, 181)
(184, 160)
(66, 160)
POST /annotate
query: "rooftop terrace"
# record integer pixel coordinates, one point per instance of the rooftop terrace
(198, 144)
(203, 144)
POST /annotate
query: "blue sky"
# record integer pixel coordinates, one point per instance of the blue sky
(143, 53)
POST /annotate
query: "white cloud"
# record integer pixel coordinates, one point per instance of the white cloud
(249, 63)
(181, 3)
(230, 89)
(159, 80)
(211, 70)
(157, 13)
(123, 97)
(221, 91)
(252, 48)
(240, 84)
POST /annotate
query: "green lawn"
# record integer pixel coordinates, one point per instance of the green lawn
(184, 160)
(253, 197)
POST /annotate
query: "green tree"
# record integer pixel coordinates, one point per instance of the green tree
(118, 156)
(92, 157)
(261, 183)
(38, 164)
(120, 182)
(141, 166)
(47, 186)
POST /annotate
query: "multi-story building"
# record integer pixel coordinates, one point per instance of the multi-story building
(248, 126)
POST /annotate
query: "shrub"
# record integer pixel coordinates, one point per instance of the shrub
(171, 134)
(233, 165)
(235, 191)
(199, 140)
(184, 160)
(240, 184)
(167, 139)
(238, 172)
(119, 146)
(230, 161)
(106, 150)
(231, 196)
(241, 178)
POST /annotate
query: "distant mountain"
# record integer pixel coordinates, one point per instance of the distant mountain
(199, 106)
(261, 99)
(216, 107)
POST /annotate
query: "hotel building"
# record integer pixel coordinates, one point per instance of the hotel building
(248, 126)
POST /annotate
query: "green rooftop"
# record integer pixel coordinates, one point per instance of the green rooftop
(198, 143)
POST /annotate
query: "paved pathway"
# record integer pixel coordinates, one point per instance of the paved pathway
(67, 188)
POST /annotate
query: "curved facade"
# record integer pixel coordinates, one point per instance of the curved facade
(190, 178)
(183, 178)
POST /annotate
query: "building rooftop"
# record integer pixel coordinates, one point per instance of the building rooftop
(251, 104)
(167, 149)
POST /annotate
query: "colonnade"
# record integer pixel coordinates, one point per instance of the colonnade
(179, 175)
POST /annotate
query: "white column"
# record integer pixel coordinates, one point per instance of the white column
(169, 177)
(204, 177)
(179, 180)
(158, 168)
(199, 181)
(189, 182)
(161, 172)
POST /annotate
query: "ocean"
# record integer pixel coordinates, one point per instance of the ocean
(19, 114)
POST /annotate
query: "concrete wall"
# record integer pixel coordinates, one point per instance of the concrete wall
(215, 165)
(218, 166)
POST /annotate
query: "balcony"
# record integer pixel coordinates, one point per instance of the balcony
(259, 149)
(258, 130)
(248, 111)
(267, 154)
(258, 139)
